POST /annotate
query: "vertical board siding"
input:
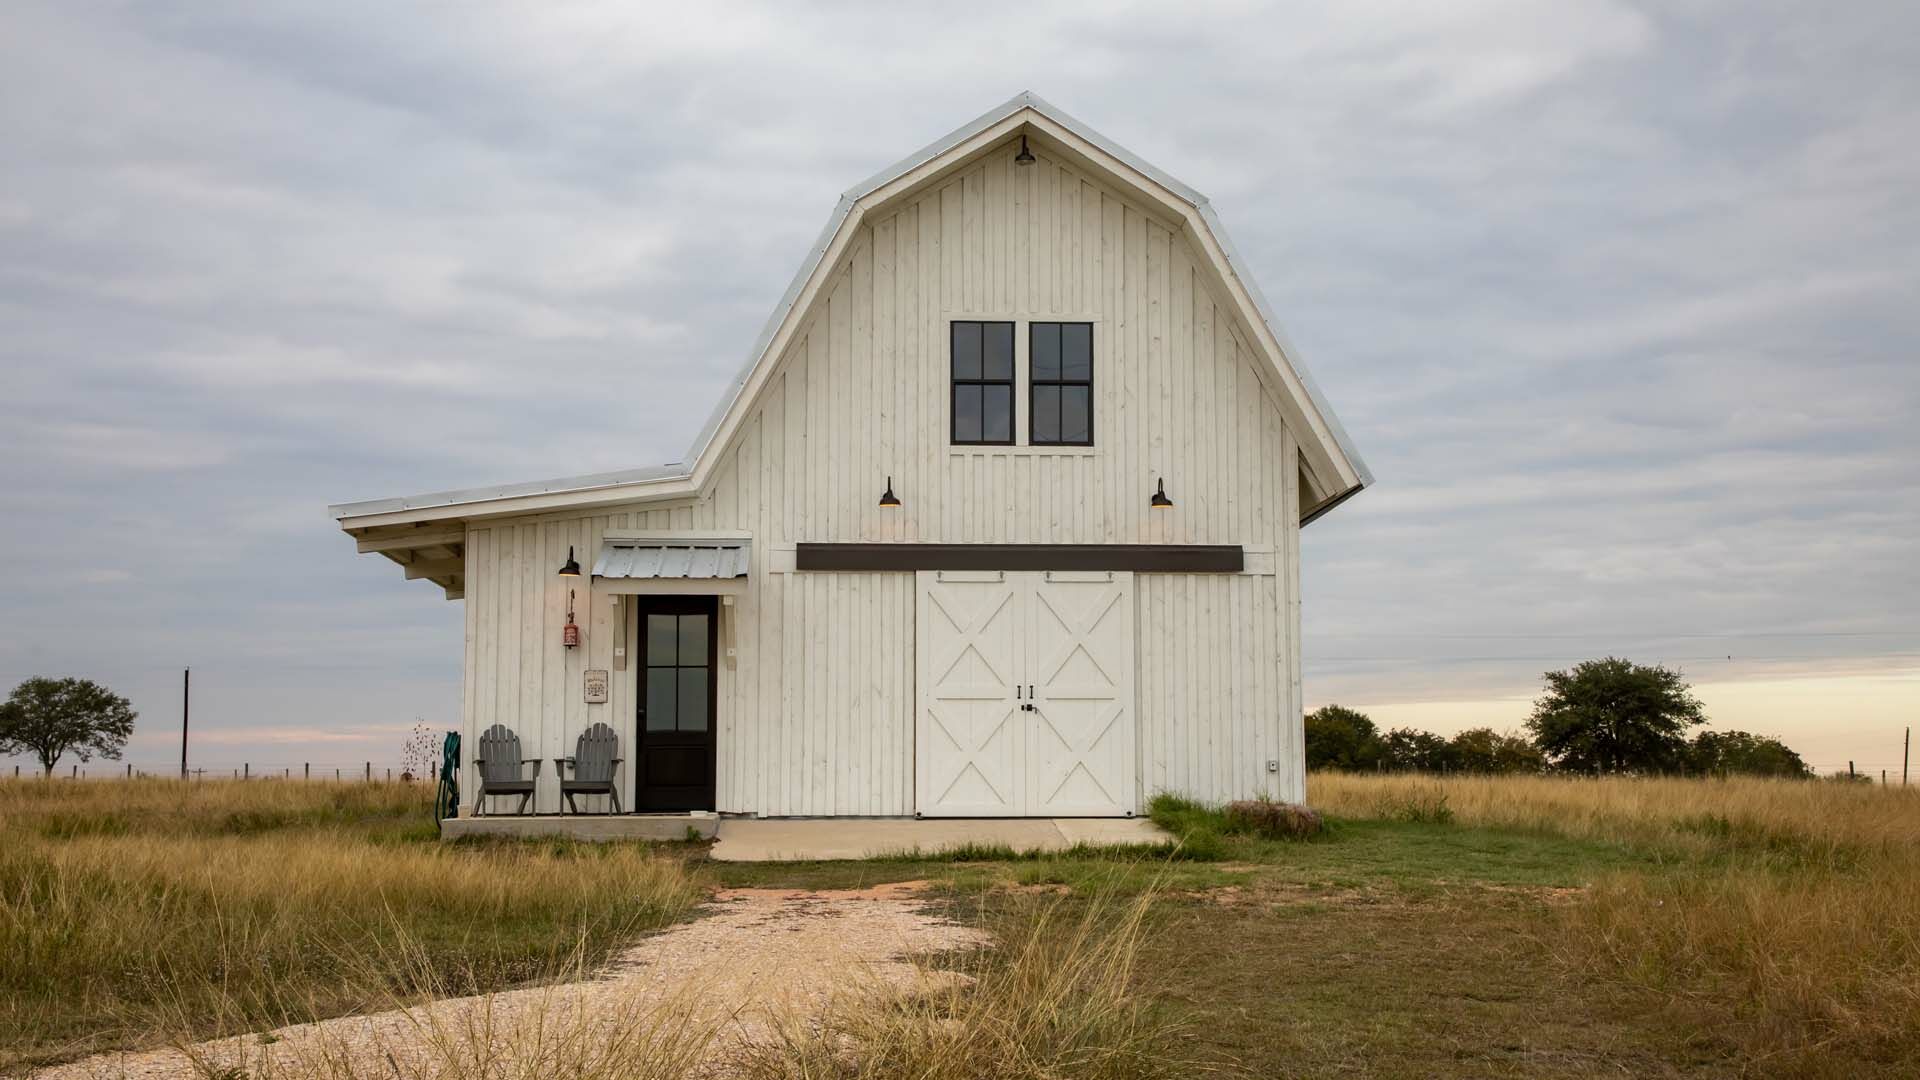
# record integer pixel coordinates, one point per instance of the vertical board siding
(1213, 692)
(816, 707)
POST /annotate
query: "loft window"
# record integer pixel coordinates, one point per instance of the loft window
(1061, 412)
(982, 383)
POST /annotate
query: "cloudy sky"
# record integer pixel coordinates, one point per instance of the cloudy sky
(1618, 301)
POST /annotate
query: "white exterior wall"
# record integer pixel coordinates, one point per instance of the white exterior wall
(816, 710)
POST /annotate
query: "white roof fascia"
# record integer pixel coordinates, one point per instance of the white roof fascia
(617, 486)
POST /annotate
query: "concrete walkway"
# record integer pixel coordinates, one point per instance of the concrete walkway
(597, 827)
(819, 839)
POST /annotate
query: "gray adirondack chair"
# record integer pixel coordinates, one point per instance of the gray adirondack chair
(594, 759)
(500, 764)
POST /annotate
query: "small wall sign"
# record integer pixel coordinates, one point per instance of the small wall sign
(596, 686)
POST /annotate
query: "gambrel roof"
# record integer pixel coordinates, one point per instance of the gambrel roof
(1330, 467)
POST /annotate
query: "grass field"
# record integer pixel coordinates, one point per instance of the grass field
(1453, 927)
(135, 910)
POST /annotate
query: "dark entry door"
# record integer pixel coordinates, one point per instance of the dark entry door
(678, 635)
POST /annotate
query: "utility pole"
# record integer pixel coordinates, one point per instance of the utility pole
(1906, 744)
(186, 704)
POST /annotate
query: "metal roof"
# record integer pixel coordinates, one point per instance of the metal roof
(684, 468)
(699, 559)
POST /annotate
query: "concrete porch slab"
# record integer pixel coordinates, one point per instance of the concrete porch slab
(582, 826)
(825, 839)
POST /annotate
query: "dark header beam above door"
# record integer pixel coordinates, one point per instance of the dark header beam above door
(1145, 558)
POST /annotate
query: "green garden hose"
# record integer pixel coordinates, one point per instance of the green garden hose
(446, 801)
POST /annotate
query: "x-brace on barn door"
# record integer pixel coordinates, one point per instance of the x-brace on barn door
(1025, 687)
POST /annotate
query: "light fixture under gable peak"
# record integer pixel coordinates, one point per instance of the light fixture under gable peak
(570, 568)
(1025, 156)
(888, 499)
(1160, 500)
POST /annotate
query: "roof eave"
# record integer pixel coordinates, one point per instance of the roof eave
(664, 481)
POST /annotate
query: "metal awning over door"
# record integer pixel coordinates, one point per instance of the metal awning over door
(663, 565)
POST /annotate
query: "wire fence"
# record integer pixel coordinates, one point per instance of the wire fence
(1894, 773)
(1877, 772)
(331, 771)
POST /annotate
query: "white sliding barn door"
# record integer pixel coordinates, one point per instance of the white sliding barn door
(969, 734)
(1079, 658)
(1025, 687)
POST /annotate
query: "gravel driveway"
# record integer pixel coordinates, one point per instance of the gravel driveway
(684, 995)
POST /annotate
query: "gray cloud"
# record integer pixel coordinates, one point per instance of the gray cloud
(1615, 299)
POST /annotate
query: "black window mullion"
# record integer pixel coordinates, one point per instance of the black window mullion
(980, 370)
(1067, 373)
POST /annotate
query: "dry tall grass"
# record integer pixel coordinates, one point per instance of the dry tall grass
(1789, 918)
(1057, 999)
(126, 906)
(1817, 819)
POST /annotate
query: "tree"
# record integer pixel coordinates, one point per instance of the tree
(420, 754)
(1484, 750)
(1342, 738)
(52, 717)
(1726, 753)
(1614, 716)
(1418, 751)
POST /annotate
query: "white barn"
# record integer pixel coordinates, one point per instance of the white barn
(1001, 517)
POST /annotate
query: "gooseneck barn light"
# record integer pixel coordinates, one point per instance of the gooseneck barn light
(1025, 157)
(888, 499)
(570, 568)
(1160, 500)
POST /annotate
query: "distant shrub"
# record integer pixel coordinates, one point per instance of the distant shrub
(1741, 753)
(1341, 738)
(1272, 819)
